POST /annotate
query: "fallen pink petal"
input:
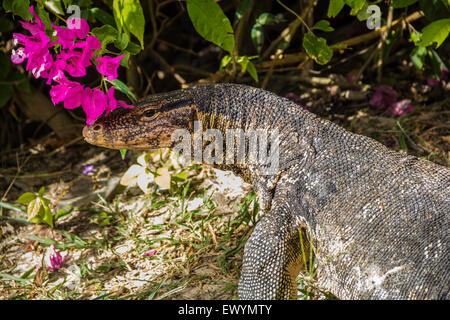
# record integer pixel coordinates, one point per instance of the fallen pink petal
(383, 97)
(400, 108)
(149, 254)
(88, 169)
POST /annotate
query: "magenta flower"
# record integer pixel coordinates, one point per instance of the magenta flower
(383, 97)
(35, 47)
(94, 104)
(88, 169)
(18, 56)
(149, 254)
(56, 72)
(123, 104)
(112, 102)
(70, 92)
(74, 96)
(79, 26)
(56, 260)
(75, 63)
(400, 108)
(75, 50)
(107, 66)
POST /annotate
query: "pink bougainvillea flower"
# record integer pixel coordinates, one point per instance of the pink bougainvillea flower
(18, 56)
(94, 104)
(74, 94)
(91, 43)
(77, 29)
(123, 104)
(66, 37)
(35, 47)
(75, 63)
(383, 97)
(107, 66)
(112, 102)
(79, 26)
(56, 72)
(40, 62)
(400, 108)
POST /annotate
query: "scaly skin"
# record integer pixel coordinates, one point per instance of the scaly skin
(378, 220)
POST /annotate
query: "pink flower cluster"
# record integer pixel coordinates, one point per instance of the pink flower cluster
(76, 49)
(385, 97)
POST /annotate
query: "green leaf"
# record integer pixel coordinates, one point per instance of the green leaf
(211, 23)
(133, 48)
(257, 35)
(418, 55)
(47, 216)
(9, 206)
(7, 5)
(62, 212)
(122, 41)
(45, 17)
(317, 49)
(106, 34)
(436, 64)
(335, 7)
(240, 10)
(124, 60)
(248, 66)
(54, 6)
(122, 87)
(129, 17)
(103, 16)
(26, 198)
(402, 3)
(6, 92)
(225, 61)
(356, 5)
(268, 19)
(180, 176)
(123, 153)
(434, 9)
(323, 25)
(18, 8)
(436, 31)
(35, 210)
(252, 71)
(41, 191)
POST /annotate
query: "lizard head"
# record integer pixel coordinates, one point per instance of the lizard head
(149, 125)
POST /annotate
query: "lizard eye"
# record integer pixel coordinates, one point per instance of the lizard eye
(150, 113)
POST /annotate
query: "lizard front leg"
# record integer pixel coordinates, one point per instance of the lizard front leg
(272, 257)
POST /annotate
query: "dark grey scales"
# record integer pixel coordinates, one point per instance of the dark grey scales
(379, 219)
